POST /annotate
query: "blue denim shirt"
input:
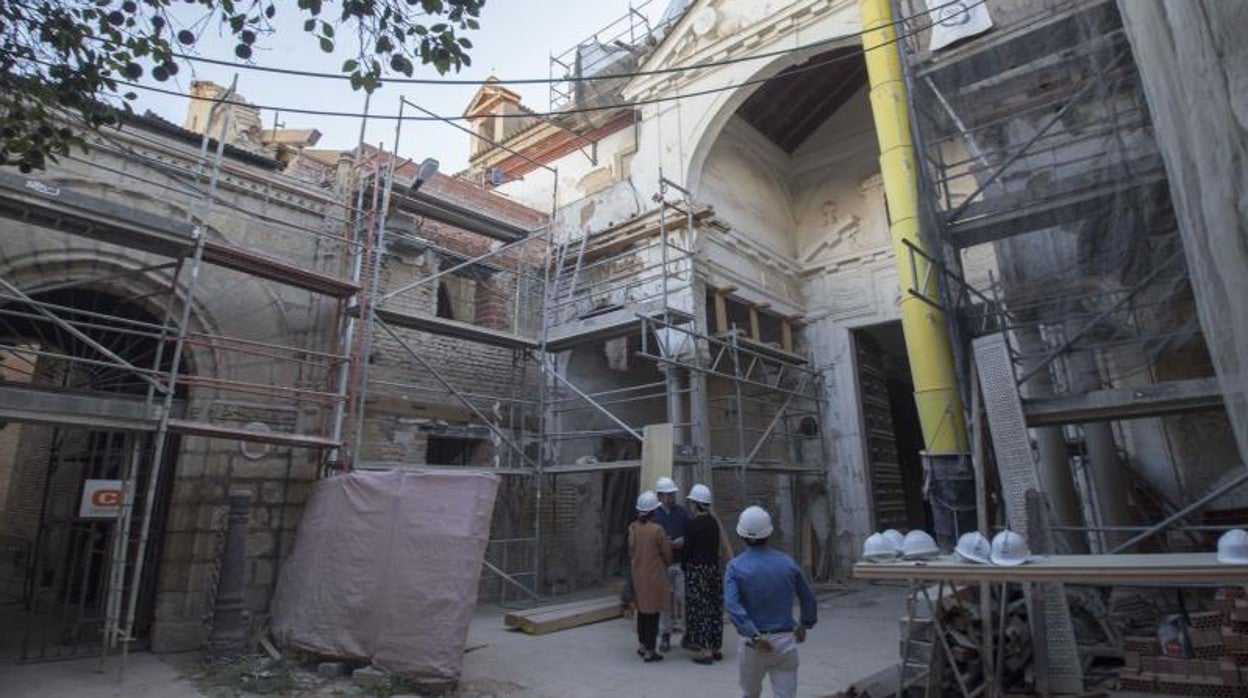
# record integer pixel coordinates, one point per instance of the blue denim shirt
(759, 585)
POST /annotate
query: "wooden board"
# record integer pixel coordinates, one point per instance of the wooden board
(1105, 570)
(549, 619)
(656, 454)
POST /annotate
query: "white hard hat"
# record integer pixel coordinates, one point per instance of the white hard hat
(878, 548)
(647, 501)
(1233, 547)
(974, 547)
(1010, 549)
(699, 493)
(754, 523)
(917, 545)
(894, 537)
(665, 485)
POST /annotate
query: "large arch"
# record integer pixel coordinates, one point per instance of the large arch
(726, 104)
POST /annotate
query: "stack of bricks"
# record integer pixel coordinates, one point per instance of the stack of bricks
(1218, 662)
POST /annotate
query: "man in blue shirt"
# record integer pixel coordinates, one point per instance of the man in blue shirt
(672, 517)
(759, 585)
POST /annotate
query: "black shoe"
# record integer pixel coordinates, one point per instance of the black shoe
(703, 660)
(653, 658)
(666, 645)
(717, 656)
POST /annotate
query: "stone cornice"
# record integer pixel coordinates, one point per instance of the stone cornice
(709, 33)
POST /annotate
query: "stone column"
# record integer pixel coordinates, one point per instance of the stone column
(1056, 478)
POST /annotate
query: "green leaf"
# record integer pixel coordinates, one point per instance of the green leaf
(350, 65)
(327, 30)
(327, 45)
(309, 25)
(400, 64)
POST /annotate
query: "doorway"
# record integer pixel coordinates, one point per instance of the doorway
(892, 436)
(62, 478)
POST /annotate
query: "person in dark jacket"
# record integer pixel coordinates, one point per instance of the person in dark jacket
(704, 584)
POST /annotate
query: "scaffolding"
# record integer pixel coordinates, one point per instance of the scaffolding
(631, 289)
(1060, 271)
(126, 364)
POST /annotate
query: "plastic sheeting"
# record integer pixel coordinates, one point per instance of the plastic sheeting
(385, 570)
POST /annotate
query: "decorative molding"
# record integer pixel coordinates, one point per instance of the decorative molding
(739, 27)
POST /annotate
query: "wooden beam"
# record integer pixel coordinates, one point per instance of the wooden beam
(754, 333)
(657, 454)
(1098, 570)
(786, 334)
(549, 619)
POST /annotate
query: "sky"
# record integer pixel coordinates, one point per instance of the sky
(515, 40)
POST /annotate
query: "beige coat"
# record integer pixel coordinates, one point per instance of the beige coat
(650, 552)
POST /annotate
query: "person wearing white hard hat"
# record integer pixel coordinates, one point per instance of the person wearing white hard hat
(974, 547)
(1233, 547)
(672, 517)
(704, 583)
(649, 553)
(759, 586)
(1009, 549)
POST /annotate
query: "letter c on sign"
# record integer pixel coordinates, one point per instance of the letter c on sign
(106, 498)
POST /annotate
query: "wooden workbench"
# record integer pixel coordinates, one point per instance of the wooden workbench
(1106, 570)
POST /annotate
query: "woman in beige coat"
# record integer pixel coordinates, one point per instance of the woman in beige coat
(650, 552)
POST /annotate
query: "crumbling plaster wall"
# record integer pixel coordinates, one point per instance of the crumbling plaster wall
(1193, 58)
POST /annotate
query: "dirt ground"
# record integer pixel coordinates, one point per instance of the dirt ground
(856, 637)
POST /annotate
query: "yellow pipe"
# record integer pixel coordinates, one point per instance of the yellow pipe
(927, 341)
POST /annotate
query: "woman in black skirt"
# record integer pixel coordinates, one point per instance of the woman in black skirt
(704, 582)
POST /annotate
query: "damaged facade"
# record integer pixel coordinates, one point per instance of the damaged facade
(717, 260)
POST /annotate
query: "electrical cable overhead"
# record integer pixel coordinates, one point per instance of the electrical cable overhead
(567, 79)
(563, 112)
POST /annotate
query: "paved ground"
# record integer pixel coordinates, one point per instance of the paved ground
(145, 675)
(856, 637)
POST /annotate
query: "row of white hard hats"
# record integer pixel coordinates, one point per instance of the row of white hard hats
(891, 544)
(1008, 548)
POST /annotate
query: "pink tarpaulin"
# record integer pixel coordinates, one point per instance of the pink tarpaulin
(385, 569)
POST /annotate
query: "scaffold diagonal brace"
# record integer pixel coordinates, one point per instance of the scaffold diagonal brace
(456, 392)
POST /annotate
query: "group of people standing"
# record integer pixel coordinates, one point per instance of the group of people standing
(676, 554)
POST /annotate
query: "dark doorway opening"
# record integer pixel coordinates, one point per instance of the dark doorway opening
(449, 450)
(56, 552)
(891, 431)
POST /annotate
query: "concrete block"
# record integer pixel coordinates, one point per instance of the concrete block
(178, 636)
(273, 491)
(260, 544)
(369, 677)
(331, 670)
(261, 517)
